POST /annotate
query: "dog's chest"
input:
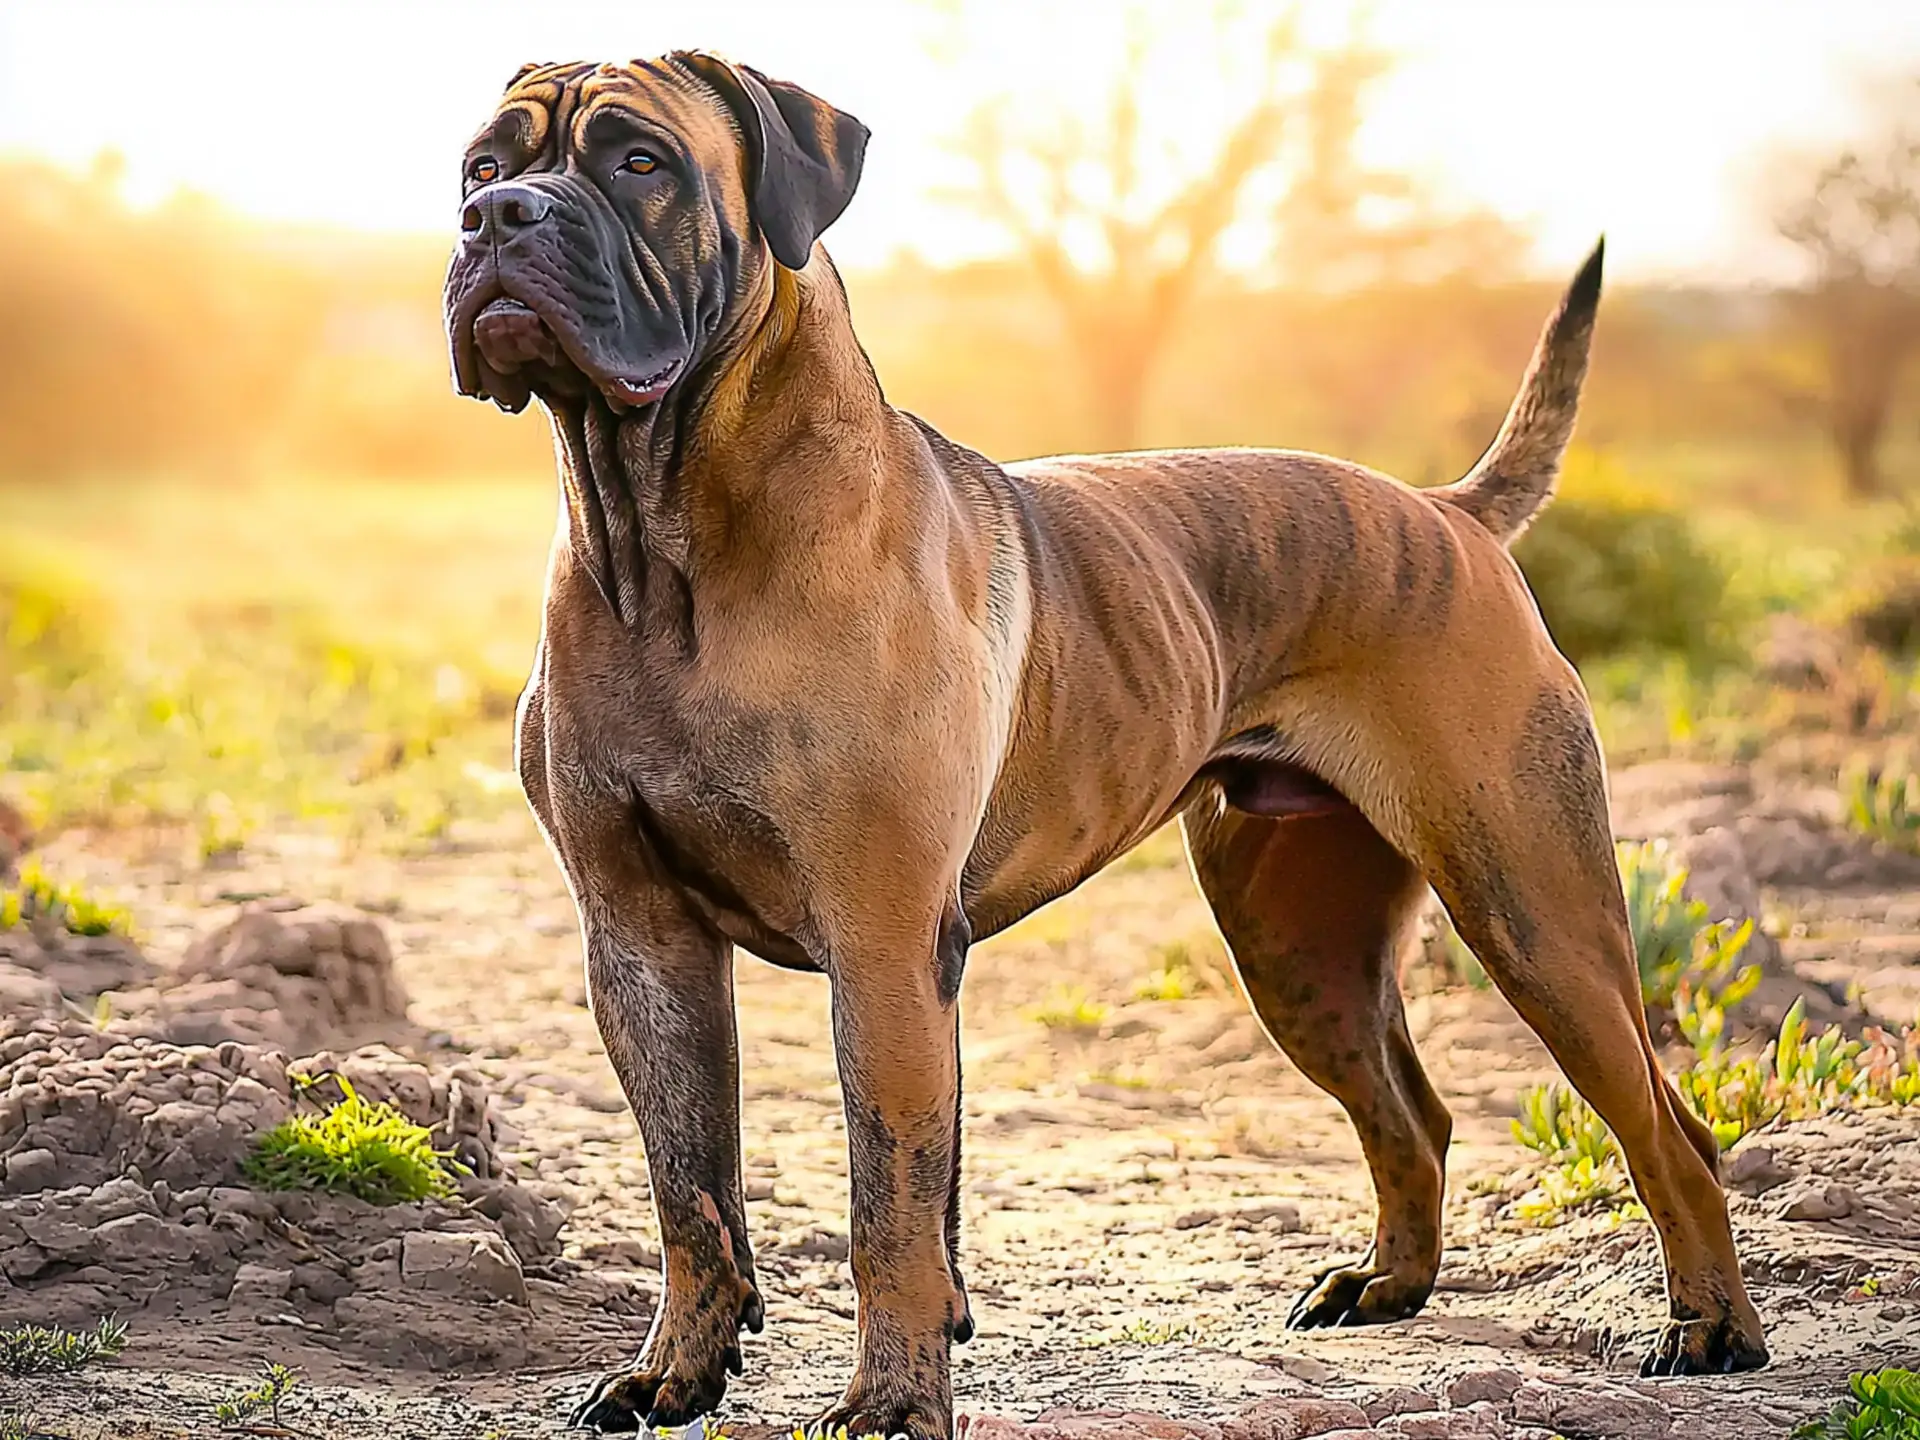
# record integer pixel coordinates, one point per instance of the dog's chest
(701, 794)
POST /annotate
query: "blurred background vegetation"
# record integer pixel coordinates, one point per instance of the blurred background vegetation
(258, 565)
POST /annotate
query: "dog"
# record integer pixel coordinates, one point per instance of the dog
(818, 682)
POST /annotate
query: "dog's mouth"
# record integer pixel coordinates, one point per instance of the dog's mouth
(521, 352)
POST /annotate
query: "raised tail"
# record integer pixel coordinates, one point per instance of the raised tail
(1511, 482)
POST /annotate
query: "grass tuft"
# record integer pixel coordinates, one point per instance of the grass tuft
(360, 1148)
(1069, 1009)
(49, 1350)
(37, 899)
(1883, 803)
(1173, 980)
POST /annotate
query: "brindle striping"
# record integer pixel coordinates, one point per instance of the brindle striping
(816, 681)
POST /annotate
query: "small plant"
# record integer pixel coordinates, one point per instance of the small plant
(1141, 1330)
(38, 899)
(1884, 803)
(1798, 1076)
(1557, 1123)
(266, 1397)
(1881, 1405)
(1171, 981)
(1572, 1186)
(1673, 939)
(1069, 1009)
(360, 1148)
(48, 1350)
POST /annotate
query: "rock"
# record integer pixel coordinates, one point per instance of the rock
(260, 1289)
(1496, 1385)
(1616, 1413)
(478, 1265)
(1294, 1418)
(1756, 1170)
(30, 1170)
(26, 995)
(1194, 1219)
(1809, 1200)
(1400, 1400)
(79, 967)
(296, 981)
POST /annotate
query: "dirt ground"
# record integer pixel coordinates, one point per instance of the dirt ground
(1143, 1197)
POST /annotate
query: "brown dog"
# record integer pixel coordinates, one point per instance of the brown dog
(817, 682)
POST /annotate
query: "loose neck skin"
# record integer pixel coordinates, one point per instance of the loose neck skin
(772, 448)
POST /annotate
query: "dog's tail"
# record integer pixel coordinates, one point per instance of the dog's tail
(1511, 482)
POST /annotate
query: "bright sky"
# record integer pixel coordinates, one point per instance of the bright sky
(1644, 118)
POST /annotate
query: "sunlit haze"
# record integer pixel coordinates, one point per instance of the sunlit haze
(1647, 120)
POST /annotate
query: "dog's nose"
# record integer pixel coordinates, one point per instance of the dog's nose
(503, 211)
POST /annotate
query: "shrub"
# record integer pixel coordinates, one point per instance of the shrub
(46, 1350)
(1616, 568)
(360, 1148)
(1881, 1405)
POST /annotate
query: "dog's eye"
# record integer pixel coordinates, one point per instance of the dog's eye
(484, 170)
(640, 162)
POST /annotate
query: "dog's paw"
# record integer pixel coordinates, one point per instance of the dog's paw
(1358, 1295)
(1704, 1347)
(884, 1417)
(627, 1402)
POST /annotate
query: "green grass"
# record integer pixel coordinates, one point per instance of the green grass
(333, 656)
(264, 1398)
(358, 1147)
(1880, 1405)
(36, 897)
(49, 1350)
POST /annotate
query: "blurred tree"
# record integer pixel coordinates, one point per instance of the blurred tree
(1122, 252)
(1856, 217)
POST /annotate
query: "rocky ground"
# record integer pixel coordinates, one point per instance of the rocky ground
(1145, 1192)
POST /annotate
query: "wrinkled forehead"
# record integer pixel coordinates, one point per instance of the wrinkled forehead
(553, 110)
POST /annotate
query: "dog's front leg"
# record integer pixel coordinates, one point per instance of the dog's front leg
(661, 988)
(896, 1037)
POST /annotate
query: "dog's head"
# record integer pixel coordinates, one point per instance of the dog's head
(615, 215)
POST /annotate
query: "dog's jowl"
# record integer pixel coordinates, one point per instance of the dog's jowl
(818, 682)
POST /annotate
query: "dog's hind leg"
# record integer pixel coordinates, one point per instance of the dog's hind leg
(1512, 830)
(1313, 909)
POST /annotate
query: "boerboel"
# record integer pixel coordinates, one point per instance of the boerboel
(818, 682)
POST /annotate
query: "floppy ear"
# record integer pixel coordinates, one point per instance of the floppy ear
(524, 71)
(803, 156)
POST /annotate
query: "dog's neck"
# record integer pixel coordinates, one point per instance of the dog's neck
(765, 453)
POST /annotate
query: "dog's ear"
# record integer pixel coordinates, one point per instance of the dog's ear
(524, 71)
(803, 156)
